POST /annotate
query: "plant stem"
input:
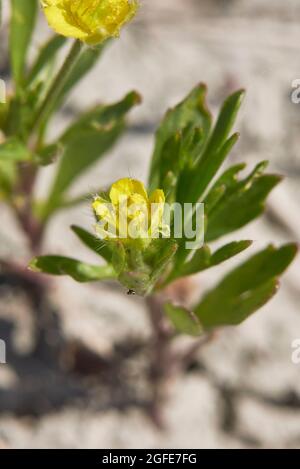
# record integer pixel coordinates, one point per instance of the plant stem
(57, 86)
(166, 362)
(32, 227)
(161, 367)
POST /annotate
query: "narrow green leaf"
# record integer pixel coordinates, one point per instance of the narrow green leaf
(8, 177)
(45, 56)
(48, 154)
(246, 288)
(93, 243)
(213, 198)
(183, 320)
(79, 271)
(194, 181)
(241, 206)
(259, 268)
(86, 61)
(163, 258)
(200, 261)
(203, 259)
(14, 150)
(205, 172)
(223, 184)
(225, 122)
(192, 110)
(228, 251)
(118, 257)
(23, 16)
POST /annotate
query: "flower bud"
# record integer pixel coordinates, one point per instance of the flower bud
(129, 215)
(130, 222)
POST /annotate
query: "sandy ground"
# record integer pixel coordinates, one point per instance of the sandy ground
(246, 393)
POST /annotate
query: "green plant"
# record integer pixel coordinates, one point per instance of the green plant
(38, 92)
(189, 152)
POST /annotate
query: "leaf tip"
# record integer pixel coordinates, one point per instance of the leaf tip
(136, 97)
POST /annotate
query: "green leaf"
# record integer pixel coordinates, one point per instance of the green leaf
(183, 320)
(224, 183)
(163, 258)
(246, 288)
(23, 16)
(203, 259)
(213, 198)
(241, 205)
(93, 243)
(192, 110)
(86, 61)
(8, 177)
(200, 261)
(48, 154)
(179, 155)
(206, 170)
(228, 251)
(85, 142)
(170, 157)
(19, 118)
(14, 150)
(79, 271)
(45, 56)
(224, 123)
(118, 257)
(194, 180)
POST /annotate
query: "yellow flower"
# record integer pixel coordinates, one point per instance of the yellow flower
(130, 213)
(91, 21)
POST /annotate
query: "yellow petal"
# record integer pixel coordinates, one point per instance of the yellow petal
(100, 208)
(157, 197)
(139, 188)
(91, 21)
(126, 188)
(58, 20)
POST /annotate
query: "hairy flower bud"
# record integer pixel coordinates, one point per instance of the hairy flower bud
(129, 214)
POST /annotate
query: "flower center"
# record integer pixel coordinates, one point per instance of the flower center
(93, 16)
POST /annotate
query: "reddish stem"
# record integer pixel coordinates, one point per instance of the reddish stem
(32, 228)
(166, 361)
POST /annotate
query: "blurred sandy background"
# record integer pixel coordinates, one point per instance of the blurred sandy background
(245, 390)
